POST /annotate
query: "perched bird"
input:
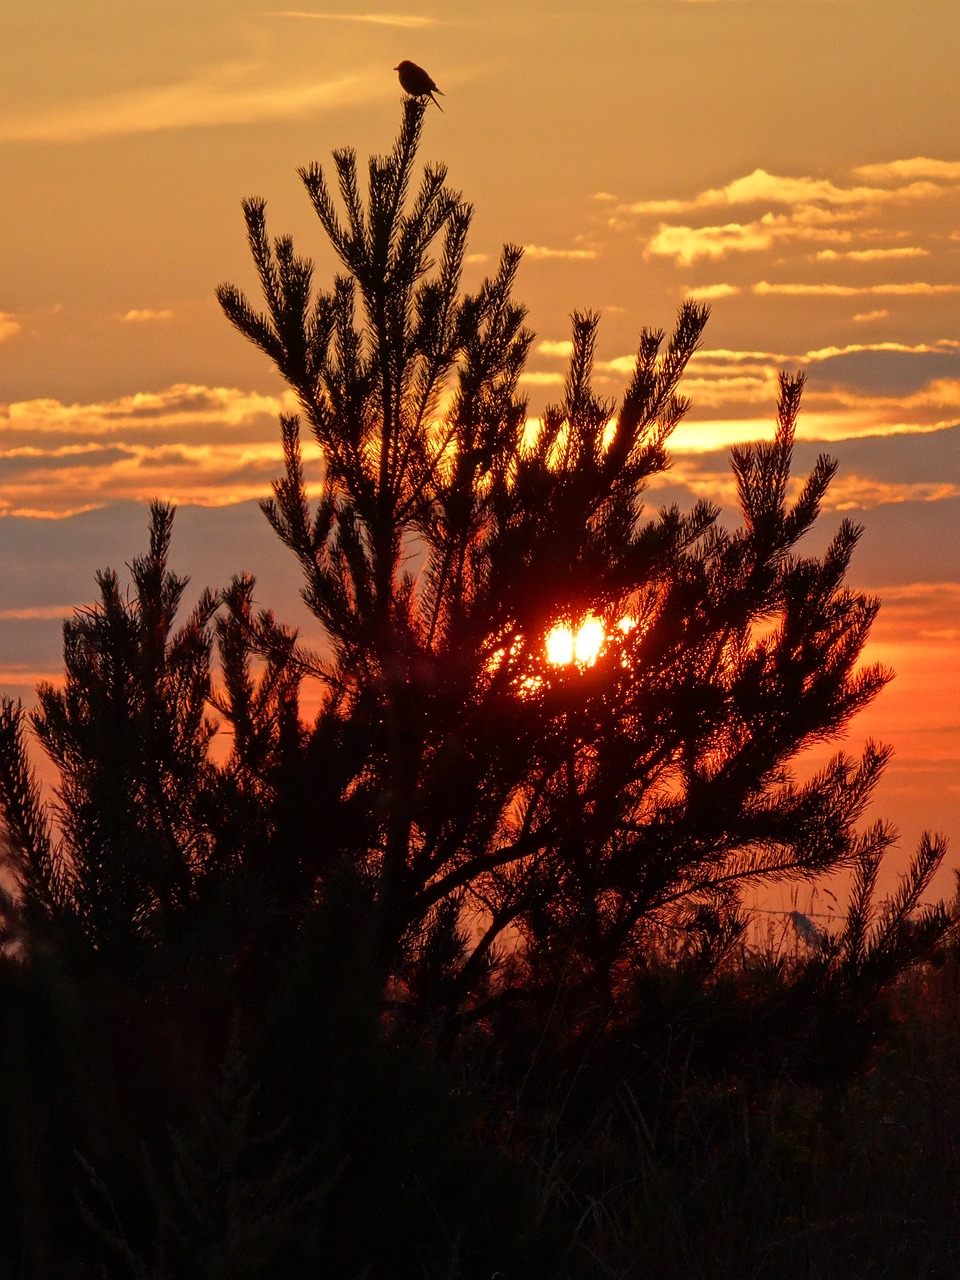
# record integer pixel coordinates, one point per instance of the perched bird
(415, 81)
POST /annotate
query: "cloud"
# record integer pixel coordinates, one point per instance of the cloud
(686, 244)
(853, 390)
(721, 360)
(909, 542)
(188, 443)
(620, 366)
(867, 317)
(17, 679)
(942, 346)
(763, 187)
(871, 255)
(707, 292)
(538, 251)
(862, 493)
(922, 610)
(916, 288)
(410, 21)
(908, 211)
(203, 474)
(218, 445)
(146, 316)
(9, 325)
(44, 612)
(16, 463)
(917, 167)
(182, 406)
(228, 95)
(47, 566)
(848, 492)
(878, 470)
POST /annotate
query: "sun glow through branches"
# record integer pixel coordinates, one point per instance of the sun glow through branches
(582, 645)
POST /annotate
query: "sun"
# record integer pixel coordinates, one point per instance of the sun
(568, 644)
(581, 643)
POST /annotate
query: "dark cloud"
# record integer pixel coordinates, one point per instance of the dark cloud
(31, 644)
(885, 373)
(45, 563)
(902, 542)
(53, 562)
(17, 465)
(166, 457)
(922, 457)
(925, 457)
(194, 400)
(256, 429)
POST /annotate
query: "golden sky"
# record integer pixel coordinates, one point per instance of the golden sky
(795, 162)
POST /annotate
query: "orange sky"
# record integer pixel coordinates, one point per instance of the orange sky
(795, 162)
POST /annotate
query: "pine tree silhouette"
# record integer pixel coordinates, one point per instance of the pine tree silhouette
(585, 812)
(529, 872)
(145, 826)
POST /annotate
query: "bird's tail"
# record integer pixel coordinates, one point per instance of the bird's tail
(432, 96)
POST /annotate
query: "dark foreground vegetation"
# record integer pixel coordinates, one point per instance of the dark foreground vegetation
(455, 981)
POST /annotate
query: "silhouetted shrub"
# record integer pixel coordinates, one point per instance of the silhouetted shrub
(453, 982)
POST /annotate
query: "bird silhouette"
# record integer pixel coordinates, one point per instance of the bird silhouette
(415, 81)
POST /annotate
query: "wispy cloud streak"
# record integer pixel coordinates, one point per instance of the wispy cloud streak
(909, 289)
(222, 96)
(406, 20)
